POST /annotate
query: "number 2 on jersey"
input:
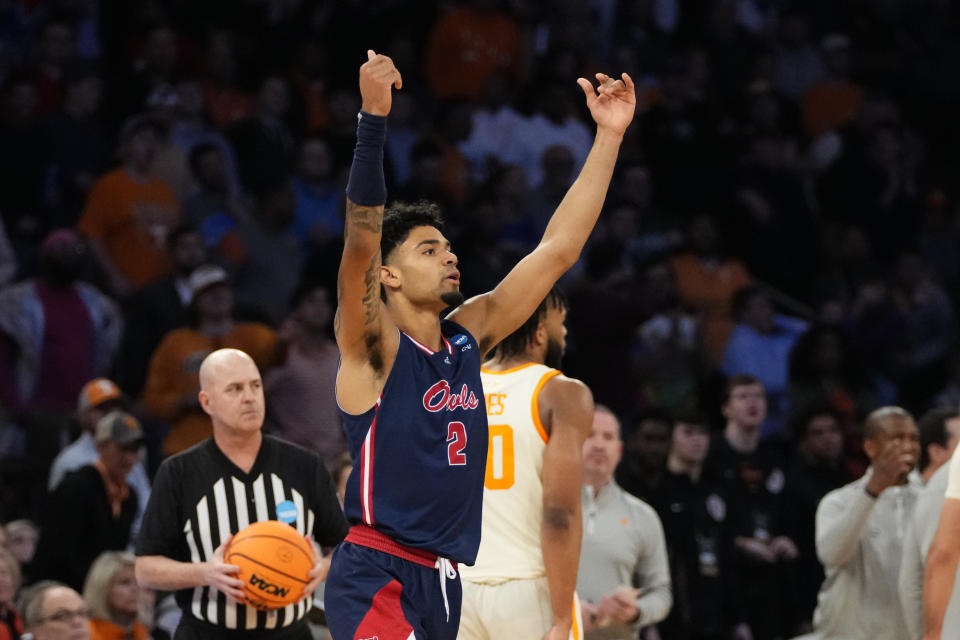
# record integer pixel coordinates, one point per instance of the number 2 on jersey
(500, 464)
(456, 443)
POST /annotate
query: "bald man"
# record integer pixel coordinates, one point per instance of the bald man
(204, 495)
(859, 535)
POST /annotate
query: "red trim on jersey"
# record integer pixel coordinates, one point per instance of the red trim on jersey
(449, 346)
(419, 344)
(424, 347)
(385, 619)
(366, 470)
(373, 539)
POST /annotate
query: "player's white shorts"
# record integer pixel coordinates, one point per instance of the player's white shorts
(517, 609)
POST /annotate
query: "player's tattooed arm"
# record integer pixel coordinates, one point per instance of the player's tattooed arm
(371, 296)
(358, 281)
(366, 218)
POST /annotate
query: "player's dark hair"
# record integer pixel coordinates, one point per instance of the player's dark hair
(933, 430)
(401, 217)
(517, 342)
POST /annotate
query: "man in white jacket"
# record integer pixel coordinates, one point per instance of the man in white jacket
(859, 535)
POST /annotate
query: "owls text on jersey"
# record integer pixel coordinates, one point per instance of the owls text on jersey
(420, 452)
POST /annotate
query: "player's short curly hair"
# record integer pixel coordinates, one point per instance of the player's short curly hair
(401, 217)
(520, 340)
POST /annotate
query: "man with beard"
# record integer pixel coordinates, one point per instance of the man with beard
(409, 383)
(523, 582)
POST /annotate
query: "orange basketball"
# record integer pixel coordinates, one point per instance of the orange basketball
(275, 562)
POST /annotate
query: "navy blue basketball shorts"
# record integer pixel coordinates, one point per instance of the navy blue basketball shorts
(378, 589)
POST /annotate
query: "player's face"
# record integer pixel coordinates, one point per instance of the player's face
(235, 397)
(747, 405)
(603, 449)
(427, 269)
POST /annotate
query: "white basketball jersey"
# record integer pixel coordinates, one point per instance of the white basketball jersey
(513, 489)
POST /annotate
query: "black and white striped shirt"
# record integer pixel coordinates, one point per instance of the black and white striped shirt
(200, 498)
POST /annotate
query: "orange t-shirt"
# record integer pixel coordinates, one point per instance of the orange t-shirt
(829, 105)
(104, 630)
(174, 375)
(466, 48)
(132, 221)
(710, 291)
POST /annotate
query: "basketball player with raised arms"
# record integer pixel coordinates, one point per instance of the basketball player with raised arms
(522, 585)
(409, 383)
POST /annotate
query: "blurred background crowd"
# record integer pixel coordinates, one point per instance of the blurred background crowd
(172, 181)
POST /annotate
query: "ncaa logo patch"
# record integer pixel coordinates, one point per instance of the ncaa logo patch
(460, 339)
(287, 512)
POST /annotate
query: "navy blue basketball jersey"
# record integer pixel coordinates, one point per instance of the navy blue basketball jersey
(420, 453)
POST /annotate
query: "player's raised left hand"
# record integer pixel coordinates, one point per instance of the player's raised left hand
(613, 103)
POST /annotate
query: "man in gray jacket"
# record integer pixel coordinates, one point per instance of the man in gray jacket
(859, 535)
(624, 577)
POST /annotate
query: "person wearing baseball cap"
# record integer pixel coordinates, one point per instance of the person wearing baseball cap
(93, 508)
(97, 398)
(170, 392)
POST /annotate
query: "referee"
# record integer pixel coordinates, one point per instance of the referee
(203, 496)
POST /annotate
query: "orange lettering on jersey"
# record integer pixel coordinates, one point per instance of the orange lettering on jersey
(495, 403)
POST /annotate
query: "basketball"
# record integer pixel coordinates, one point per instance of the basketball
(275, 562)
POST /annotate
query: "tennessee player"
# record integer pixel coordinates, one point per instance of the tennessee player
(522, 585)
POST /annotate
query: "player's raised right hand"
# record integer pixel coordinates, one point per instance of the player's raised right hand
(377, 77)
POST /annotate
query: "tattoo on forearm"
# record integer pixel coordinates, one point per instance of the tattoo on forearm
(366, 218)
(371, 295)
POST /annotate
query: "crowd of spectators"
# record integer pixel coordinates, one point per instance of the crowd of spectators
(172, 182)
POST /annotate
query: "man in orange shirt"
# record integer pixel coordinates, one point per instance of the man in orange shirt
(129, 213)
(467, 46)
(172, 385)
